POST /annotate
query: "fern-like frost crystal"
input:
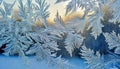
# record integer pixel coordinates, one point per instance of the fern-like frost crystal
(73, 41)
(113, 41)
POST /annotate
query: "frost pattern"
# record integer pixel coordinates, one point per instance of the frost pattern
(59, 21)
(113, 41)
(94, 61)
(41, 11)
(73, 41)
(89, 6)
(100, 8)
(19, 38)
(116, 11)
(98, 61)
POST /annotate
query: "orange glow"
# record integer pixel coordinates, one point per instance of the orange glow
(61, 8)
(67, 18)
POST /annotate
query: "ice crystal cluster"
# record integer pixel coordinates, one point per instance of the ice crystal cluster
(95, 37)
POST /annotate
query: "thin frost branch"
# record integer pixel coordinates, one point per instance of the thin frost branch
(94, 61)
(72, 42)
(59, 21)
(41, 11)
(113, 41)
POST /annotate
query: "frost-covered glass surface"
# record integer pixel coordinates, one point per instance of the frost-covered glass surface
(88, 29)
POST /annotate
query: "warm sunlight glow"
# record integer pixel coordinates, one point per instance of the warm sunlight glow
(61, 7)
